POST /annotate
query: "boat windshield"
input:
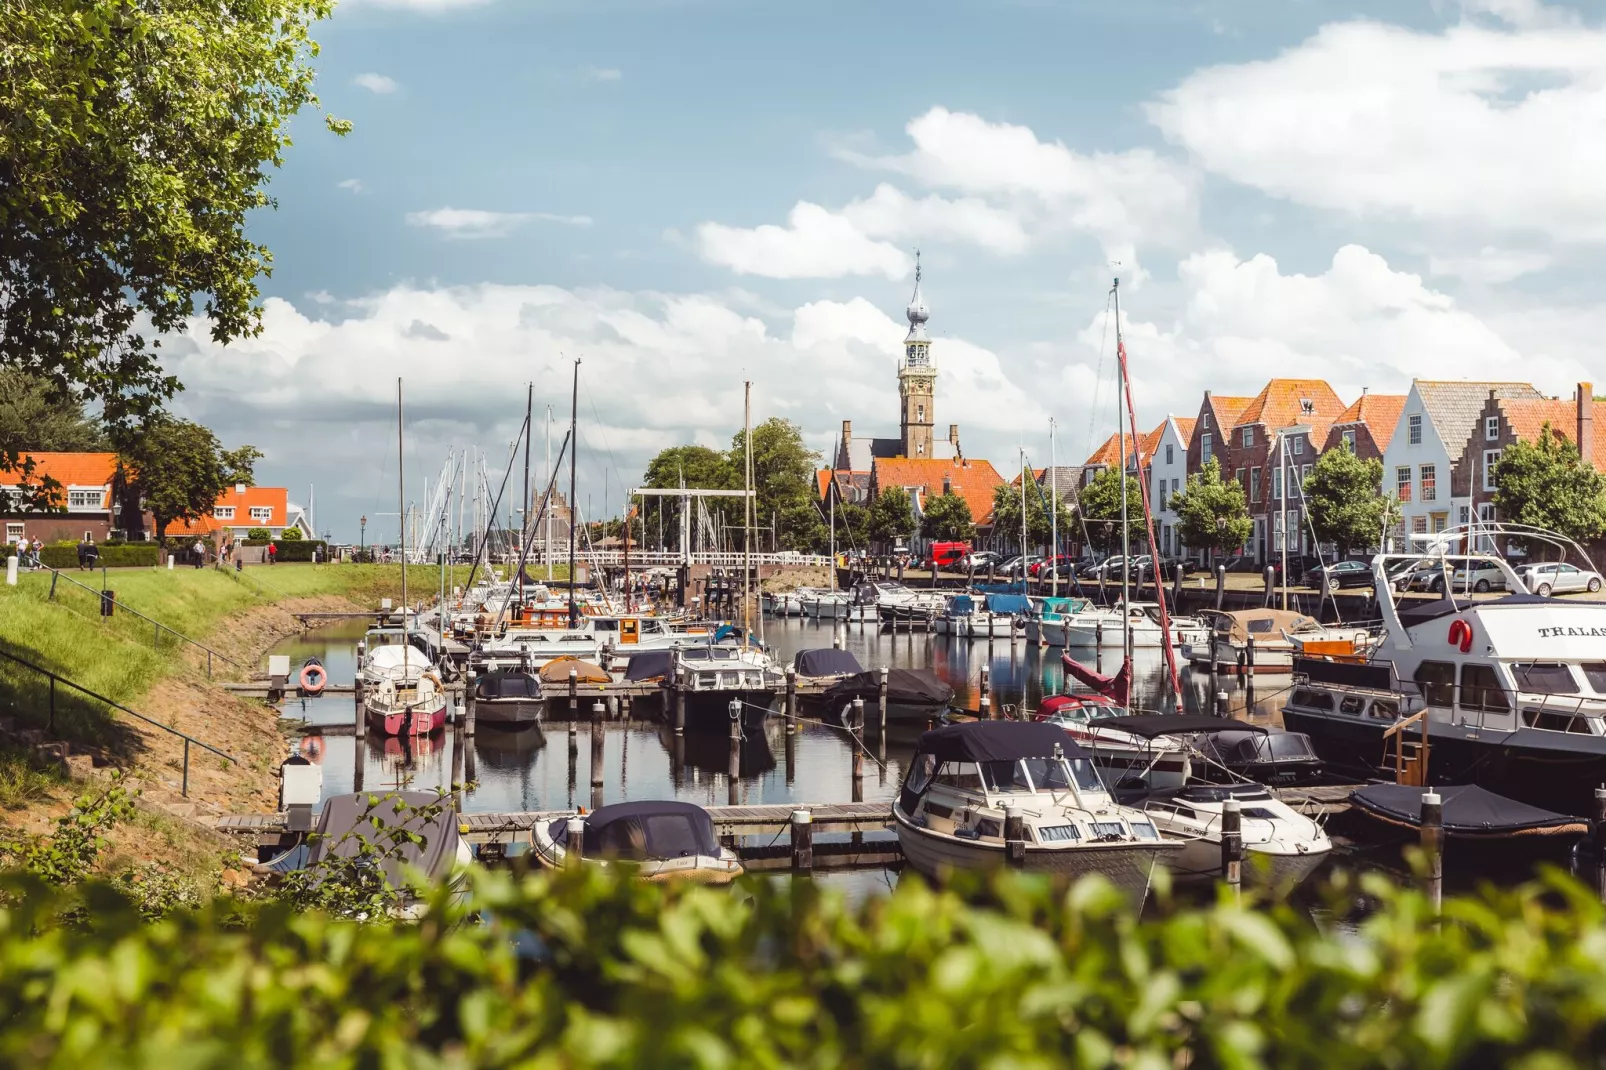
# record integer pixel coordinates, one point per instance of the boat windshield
(1545, 678)
(1040, 774)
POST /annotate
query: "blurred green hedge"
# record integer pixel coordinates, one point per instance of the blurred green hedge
(121, 555)
(591, 971)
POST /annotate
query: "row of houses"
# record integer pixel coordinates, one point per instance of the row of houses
(94, 502)
(1438, 444)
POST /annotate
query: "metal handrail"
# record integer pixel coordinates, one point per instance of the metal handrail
(58, 678)
(58, 574)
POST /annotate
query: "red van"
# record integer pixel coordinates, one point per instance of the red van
(949, 554)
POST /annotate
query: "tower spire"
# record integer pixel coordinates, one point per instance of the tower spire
(917, 378)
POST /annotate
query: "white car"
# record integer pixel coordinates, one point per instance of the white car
(1483, 577)
(1553, 577)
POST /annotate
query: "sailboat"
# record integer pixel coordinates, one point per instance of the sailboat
(408, 699)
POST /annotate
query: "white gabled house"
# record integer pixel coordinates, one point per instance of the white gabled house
(1168, 474)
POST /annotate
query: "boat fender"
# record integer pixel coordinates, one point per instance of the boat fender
(1461, 635)
(313, 678)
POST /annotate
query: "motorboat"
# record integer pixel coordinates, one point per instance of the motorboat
(968, 782)
(1508, 693)
(1105, 627)
(997, 616)
(898, 606)
(825, 666)
(913, 695)
(1052, 615)
(827, 605)
(508, 697)
(709, 678)
(661, 840)
(1276, 636)
(412, 708)
(1123, 757)
(1265, 755)
(528, 649)
(1281, 846)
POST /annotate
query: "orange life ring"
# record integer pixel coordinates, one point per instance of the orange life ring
(1461, 635)
(313, 679)
(311, 747)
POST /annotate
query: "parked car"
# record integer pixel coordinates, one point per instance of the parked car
(1482, 577)
(1037, 567)
(1341, 574)
(980, 560)
(1300, 566)
(1241, 563)
(1110, 568)
(1558, 577)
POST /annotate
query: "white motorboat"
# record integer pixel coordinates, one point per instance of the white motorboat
(827, 605)
(1052, 615)
(1104, 627)
(395, 654)
(1277, 635)
(1123, 757)
(1281, 846)
(712, 677)
(658, 840)
(968, 783)
(531, 648)
(1000, 616)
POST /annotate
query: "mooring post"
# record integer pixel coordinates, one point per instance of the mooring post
(574, 696)
(357, 760)
(1433, 846)
(1221, 703)
(1249, 657)
(856, 730)
(1221, 585)
(791, 699)
(1014, 834)
(986, 679)
(680, 709)
(802, 840)
(1232, 844)
(598, 710)
(1269, 574)
(1599, 836)
(733, 769)
(469, 703)
(1098, 644)
(881, 701)
(574, 842)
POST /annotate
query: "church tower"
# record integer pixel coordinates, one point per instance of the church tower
(917, 379)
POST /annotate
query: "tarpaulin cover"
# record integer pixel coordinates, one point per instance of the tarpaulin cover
(508, 684)
(1062, 606)
(961, 604)
(343, 814)
(1018, 587)
(1150, 725)
(1468, 809)
(826, 662)
(1118, 687)
(1260, 745)
(557, 671)
(650, 665)
(997, 741)
(643, 831)
(905, 687)
(1008, 604)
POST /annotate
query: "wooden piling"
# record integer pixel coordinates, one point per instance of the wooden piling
(1600, 842)
(574, 843)
(1432, 831)
(1014, 835)
(733, 770)
(1221, 586)
(574, 697)
(1232, 844)
(1221, 703)
(802, 841)
(856, 730)
(791, 699)
(468, 704)
(881, 701)
(986, 680)
(597, 712)
(361, 727)
(680, 709)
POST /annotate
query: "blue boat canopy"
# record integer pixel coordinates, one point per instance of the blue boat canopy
(961, 605)
(1011, 604)
(1018, 587)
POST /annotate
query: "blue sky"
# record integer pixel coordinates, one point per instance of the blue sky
(690, 194)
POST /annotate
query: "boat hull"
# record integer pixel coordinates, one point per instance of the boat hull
(1200, 859)
(510, 712)
(710, 710)
(1129, 866)
(407, 722)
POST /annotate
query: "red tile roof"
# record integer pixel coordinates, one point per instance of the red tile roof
(973, 480)
(80, 470)
(1109, 454)
(275, 499)
(1379, 412)
(1528, 416)
(1185, 426)
(1227, 410)
(822, 482)
(1278, 404)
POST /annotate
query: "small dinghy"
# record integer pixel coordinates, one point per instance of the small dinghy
(661, 840)
(1470, 812)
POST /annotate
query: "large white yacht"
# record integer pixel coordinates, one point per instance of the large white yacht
(1507, 693)
(968, 780)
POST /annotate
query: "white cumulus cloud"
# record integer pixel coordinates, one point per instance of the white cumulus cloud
(815, 243)
(479, 223)
(376, 83)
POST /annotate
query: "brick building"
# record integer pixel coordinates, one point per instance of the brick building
(87, 504)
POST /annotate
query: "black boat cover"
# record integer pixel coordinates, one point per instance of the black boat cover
(1150, 725)
(1468, 810)
(826, 662)
(639, 831)
(508, 683)
(997, 741)
(650, 665)
(1255, 744)
(905, 687)
(345, 822)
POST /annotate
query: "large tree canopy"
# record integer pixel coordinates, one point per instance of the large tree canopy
(783, 477)
(947, 517)
(37, 417)
(135, 138)
(1039, 518)
(1545, 484)
(1345, 498)
(1211, 512)
(177, 468)
(1100, 504)
(892, 516)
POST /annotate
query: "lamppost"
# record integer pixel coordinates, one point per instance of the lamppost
(362, 532)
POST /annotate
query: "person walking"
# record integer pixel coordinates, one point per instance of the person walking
(93, 554)
(83, 553)
(273, 553)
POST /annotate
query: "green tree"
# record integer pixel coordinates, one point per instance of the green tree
(177, 468)
(1039, 522)
(1344, 497)
(1545, 484)
(783, 479)
(1211, 511)
(852, 527)
(1100, 504)
(947, 517)
(696, 467)
(38, 416)
(135, 140)
(239, 465)
(892, 517)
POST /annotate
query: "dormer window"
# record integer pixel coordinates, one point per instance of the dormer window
(1249, 437)
(1307, 407)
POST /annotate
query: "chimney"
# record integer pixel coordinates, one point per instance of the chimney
(239, 488)
(1586, 422)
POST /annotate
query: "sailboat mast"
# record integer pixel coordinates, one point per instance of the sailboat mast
(552, 478)
(831, 501)
(401, 511)
(574, 448)
(747, 511)
(524, 510)
(1054, 514)
(1023, 518)
(1120, 437)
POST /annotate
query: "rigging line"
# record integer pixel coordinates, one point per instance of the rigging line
(1098, 377)
(613, 461)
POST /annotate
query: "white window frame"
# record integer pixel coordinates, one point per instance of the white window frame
(1299, 445)
(1430, 491)
(14, 531)
(1204, 447)
(92, 499)
(1170, 454)
(1491, 458)
(261, 514)
(1277, 484)
(1404, 483)
(1248, 438)
(223, 512)
(1349, 440)
(1491, 428)
(1413, 429)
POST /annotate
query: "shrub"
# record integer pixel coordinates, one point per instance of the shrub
(259, 535)
(112, 555)
(302, 550)
(291, 535)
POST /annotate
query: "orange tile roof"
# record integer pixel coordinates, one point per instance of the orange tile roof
(1227, 410)
(1185, 426)
(1528, 416)
(81, 470)
(1278, 404)
(973, 480)
(1109, 454)
(822, 481)
(276, 499)
(1379, 412)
